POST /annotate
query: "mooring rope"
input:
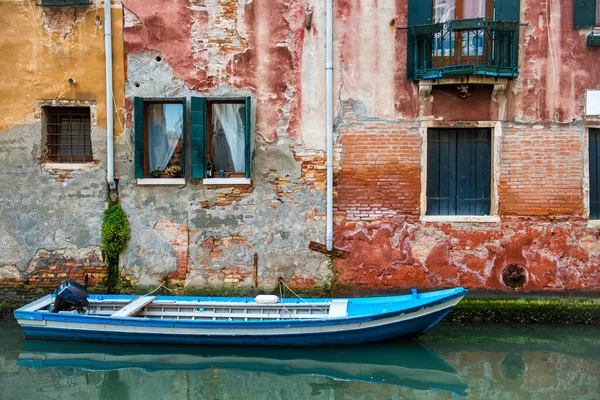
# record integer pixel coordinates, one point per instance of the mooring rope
(282, 282)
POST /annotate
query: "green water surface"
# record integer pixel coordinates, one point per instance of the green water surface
(453, 361)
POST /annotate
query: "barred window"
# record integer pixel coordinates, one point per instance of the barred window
(68, 134)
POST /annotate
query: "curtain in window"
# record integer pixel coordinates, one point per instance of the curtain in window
(445, 10)
(473, 9)
(228, 137)
(165, 129)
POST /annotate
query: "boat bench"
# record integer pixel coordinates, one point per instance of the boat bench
(134, 306)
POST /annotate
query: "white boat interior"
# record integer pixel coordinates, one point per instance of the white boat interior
(154, 308)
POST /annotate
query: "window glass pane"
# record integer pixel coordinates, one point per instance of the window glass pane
(597, 12)
(473, 9)
(165, 133)
(444, 10)
(228, 137)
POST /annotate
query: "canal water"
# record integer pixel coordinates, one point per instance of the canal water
(453, 361)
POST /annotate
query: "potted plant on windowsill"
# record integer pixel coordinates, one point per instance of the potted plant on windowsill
(173, 171)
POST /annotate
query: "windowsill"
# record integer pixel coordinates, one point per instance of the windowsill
(227, 181)
(161, 182)
(488, 219)
(593, 223)
(69, 166)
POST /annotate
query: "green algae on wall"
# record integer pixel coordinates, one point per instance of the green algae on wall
(527, 310)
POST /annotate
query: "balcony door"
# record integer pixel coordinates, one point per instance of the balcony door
(465, 44)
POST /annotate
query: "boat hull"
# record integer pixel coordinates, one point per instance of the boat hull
(408, 323)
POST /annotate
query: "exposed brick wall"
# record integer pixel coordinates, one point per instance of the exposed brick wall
(541, 171)
(177, 236)
(380, 170)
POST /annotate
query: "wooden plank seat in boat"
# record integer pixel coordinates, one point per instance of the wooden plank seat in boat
(134, 306)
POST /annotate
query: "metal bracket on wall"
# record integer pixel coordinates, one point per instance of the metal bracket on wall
(321, 248)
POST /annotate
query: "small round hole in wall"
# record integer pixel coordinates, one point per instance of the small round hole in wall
(158, 58)
(514, 276)
(137, 84)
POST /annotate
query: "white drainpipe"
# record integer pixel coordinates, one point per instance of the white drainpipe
(329, 71)
(110, 162)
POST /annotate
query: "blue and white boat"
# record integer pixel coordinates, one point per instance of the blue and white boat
(263, 320)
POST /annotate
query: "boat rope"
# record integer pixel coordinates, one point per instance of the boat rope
(282, 282)
(162, 285)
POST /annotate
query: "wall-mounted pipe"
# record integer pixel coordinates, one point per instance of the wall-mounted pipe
(110, 162)
(329, 73)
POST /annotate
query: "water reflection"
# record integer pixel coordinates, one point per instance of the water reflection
(474, 361)
(407, 364)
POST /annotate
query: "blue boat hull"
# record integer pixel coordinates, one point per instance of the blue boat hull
(401, 323)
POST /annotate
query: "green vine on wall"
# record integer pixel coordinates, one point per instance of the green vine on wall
(115, 234)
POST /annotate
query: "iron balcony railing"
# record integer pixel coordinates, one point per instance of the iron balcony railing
(465, 47)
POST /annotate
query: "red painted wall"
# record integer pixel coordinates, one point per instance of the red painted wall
(543, 226)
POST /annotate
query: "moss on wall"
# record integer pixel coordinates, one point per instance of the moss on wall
(527, 310)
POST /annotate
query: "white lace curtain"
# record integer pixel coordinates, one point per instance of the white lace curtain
(445, 10)
(227, 121)
(165, 128)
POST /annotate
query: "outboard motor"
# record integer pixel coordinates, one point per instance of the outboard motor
(70, 296)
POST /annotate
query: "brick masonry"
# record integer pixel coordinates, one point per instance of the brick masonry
(541, 171)
(380, 168)
(541, 208)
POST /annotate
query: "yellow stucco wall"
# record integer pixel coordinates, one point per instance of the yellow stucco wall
(42, 47)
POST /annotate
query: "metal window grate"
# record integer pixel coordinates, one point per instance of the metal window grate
(69, 134)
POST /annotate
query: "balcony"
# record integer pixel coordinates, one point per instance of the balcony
(468, 47)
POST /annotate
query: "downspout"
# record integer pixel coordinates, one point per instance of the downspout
(110, 162)
(329, 73)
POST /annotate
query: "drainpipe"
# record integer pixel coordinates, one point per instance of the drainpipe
(329, 72)
(110, 162)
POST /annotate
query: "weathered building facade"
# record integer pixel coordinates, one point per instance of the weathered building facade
(463, 155)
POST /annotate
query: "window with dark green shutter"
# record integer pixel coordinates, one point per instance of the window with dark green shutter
(221, 142)
(585, 13)
(228, 138)
(594, 151)
(159, 132)
(458, 171)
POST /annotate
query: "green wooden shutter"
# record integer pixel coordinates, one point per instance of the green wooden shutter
(507, 10)
(584, 13)
(458, 171)
(138, 130)
(198, 137)
(594, 173)
(248, 136)
(420, 12)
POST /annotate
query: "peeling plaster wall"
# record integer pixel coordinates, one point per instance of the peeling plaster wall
(209, 237)
(541, 180)
(50, 215)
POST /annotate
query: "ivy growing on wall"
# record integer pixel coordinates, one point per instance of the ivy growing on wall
(115, 234)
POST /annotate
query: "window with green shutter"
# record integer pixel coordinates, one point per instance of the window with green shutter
(594, 163)
(458, 171)
(220, 136)
(585, 13)
(227, 138)
(159, 129)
